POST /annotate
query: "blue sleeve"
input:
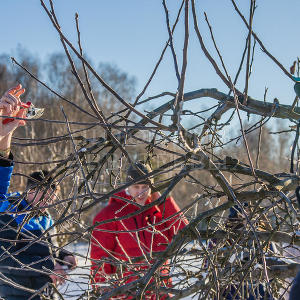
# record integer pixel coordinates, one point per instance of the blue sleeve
(5, 175)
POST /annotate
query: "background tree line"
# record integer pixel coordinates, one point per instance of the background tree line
(49, 142)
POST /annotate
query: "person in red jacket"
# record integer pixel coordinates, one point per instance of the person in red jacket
(130, 233)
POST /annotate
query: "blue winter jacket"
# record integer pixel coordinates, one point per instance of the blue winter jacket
(25, 260)
(295, 291)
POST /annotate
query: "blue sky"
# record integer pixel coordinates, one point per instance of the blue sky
(132, 34)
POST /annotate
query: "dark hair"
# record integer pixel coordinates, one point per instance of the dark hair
(138, 170)
(35, 178)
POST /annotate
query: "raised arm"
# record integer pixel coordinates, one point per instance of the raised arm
(9, 106)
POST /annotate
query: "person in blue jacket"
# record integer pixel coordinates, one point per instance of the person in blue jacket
(29, 261)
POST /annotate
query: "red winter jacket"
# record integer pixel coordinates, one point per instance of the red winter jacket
(111, 241)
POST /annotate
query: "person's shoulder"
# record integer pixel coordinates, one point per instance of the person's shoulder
(4, 205)
(7, 204)
(170, 203)
(170, 199)
(114, 204)
(14, 195)
(107, 212)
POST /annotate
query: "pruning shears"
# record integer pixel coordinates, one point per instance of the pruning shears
(32, 112)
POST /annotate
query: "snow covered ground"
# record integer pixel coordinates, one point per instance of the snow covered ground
(77, 282)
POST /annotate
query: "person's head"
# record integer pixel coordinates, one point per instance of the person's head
(140, 190)
(38, 195)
